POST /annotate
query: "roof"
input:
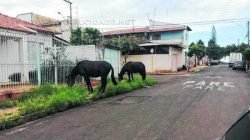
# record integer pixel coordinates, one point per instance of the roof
(146, 30)
(61, 40)
(38, 19)
(158, 43)
(127, 31)
(11, 23)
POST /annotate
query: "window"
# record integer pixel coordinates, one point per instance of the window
(32, 51)
(156, 37)
(146, 50)
(162, 50)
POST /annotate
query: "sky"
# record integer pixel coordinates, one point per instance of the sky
(200, 15)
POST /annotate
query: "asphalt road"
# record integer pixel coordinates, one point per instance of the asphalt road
(195, 107)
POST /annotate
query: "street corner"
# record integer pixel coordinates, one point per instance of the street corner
(198, 69)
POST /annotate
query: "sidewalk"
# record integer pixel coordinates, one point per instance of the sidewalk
(197, 68)
(182, 72)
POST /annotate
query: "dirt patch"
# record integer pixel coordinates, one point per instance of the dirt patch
(14, 92)
(8, 111)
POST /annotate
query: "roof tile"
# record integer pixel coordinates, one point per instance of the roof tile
(145, 29)
(19, 25)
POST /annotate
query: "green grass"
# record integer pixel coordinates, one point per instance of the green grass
(49, 99)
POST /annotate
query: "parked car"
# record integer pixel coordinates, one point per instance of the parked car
(214, 62)
(240, 129)
(241, 65)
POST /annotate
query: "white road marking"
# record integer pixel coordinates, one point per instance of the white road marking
(197, 87)
(202, 83)
(229, 84)
(188, 86)
(15, 131)
(214, 85)
(209, 87)
(188, 82)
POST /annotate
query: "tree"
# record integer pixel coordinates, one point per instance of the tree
(214, 52)
(87, 36)
(211, 43)
(214, 38)
(233, 48)
(91, 36)
(125, 43)
(247, 54)
(191, 44)
(197, 50)
(76, 36)
(242, 47)
(200, 42)
(230, 48)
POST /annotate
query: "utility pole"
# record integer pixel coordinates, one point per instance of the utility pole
(248, 33)
(70, 8)
(238, 44)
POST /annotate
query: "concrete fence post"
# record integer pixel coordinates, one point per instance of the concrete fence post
(38, 60)
(56, 64)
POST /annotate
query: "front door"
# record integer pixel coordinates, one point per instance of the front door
(174, 62)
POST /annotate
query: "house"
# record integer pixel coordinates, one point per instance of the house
(20, 42)
(164, 49)
(90, 52)
(60, 26)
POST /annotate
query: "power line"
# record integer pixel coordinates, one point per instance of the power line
(223, 21)
(221, 8)
(216, 21)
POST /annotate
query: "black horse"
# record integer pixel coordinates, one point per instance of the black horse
(92, 69)
(133, 67)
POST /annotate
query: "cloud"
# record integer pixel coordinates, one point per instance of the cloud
(170, 11)
(177, 11)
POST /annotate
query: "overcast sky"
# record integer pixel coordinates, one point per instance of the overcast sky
(139, 11)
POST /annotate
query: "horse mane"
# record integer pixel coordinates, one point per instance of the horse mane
(123, 70)
(74, 71)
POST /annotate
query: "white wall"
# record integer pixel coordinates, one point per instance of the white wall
(160, 62)
(84, 52)
(155, 62)
(179, 52)
(113, 57)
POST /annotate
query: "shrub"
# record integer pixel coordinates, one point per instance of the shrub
(8, 103)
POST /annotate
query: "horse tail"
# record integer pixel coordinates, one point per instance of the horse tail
(143, 72)
(112, 76)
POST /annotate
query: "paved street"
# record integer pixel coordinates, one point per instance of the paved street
(195, 107)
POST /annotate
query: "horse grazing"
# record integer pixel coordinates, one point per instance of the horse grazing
(92, 69)
(133, 67)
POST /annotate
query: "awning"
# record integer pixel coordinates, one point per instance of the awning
(148, 44)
